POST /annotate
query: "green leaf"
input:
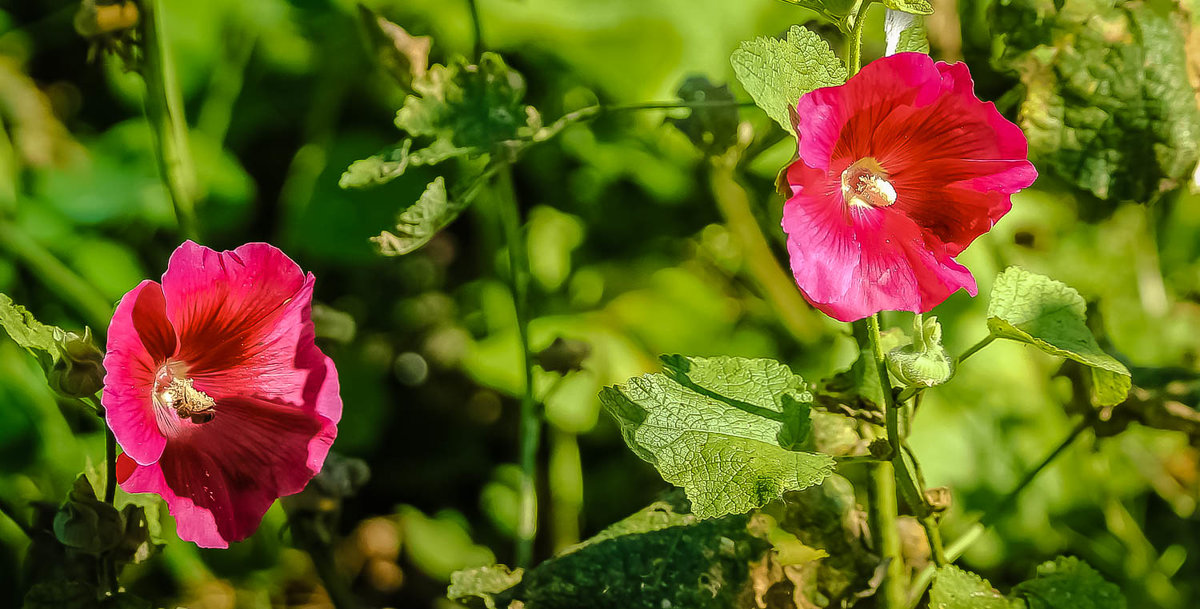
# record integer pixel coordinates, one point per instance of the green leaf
(831, 8)
(916, 7)
(712, 129)
(718, 428)
(777, 72)
(658, 557)
(472, 106)
(954, 588)
(1069, 583)
(1105, 96)
(431, 213)
(905, 33)
(482, 583)
(387, 166)
(1050, 315)
(37, 338)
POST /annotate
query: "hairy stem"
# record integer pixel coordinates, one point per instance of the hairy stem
(531, 423)
(77, 292)
(854, 55)
(955, 550)
(164, 107)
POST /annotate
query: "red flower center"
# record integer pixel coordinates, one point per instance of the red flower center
(173, 390)
(865, 184)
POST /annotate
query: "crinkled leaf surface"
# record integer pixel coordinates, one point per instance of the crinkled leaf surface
(659, 557)
(777, 72)
(718, 427)
(954, 588)
(387, 166)
(905, 33)
(1069, 583)
(1050, 315)
(1107, 103)
(916, 7)
(419, 223)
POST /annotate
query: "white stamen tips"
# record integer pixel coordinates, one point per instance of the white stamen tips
(864, 184)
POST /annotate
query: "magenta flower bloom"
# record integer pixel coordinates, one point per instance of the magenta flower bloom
(900, 169)
(216, 391)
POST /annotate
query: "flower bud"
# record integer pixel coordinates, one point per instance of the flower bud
(79, 371)
(924, 362)
(87, 524)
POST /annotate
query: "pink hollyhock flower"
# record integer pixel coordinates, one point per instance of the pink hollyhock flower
(899, 170)
(216, 391)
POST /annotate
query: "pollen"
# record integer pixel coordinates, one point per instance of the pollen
(865, 184)
(177, 392)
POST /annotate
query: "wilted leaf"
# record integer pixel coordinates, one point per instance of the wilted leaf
(1069, 583)
(954, 588)
(1107, 103)
(725, 429)
(1050, 315)
(387, 166)
(777, 72)
(713, 129)
(404, 56)
(905, 32)
(471, 106)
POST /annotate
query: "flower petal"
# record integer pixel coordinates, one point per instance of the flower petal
(239, 316)
(220, 480)
(139, 339)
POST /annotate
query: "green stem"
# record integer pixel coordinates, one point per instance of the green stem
(973, 349)
(566, 487)
(164, 107)
(772, 280)
(854, 59)
(885, 515)
(77, 292)
(477, 29)
(110, 454)
(531, 424)
(960, 545)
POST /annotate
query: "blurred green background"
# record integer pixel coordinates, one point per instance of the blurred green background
(630, 253)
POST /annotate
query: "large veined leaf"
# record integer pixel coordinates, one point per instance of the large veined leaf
(1069, 583)
(1106, 99)
(1050, 315)
(777, 72)
(728, 430)
(954, 588)
(916, 7)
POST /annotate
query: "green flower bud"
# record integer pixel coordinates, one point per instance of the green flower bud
(924, 363)
(86, 524)
(79, 371)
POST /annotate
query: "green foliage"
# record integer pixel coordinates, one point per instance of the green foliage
(440, 545)
(1107, 102)
(472, 106)
(482, 583)
(418, 224)
(72, 363)
(777, 72)
(712, 129)
(954, 588)
(728, 430)
(1050, 315)
(403, 56)
(916, 7)
(1069, 583)
(905, 33)
(659, 557)
(387, 166)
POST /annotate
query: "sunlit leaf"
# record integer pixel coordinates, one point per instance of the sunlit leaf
(35, 337)
(916, 7)
(905, 32)
(404, 56)
(1050, 315)
(482, 583)
(724, 429)
(954, 588)
(777, 72)
(387, 166)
